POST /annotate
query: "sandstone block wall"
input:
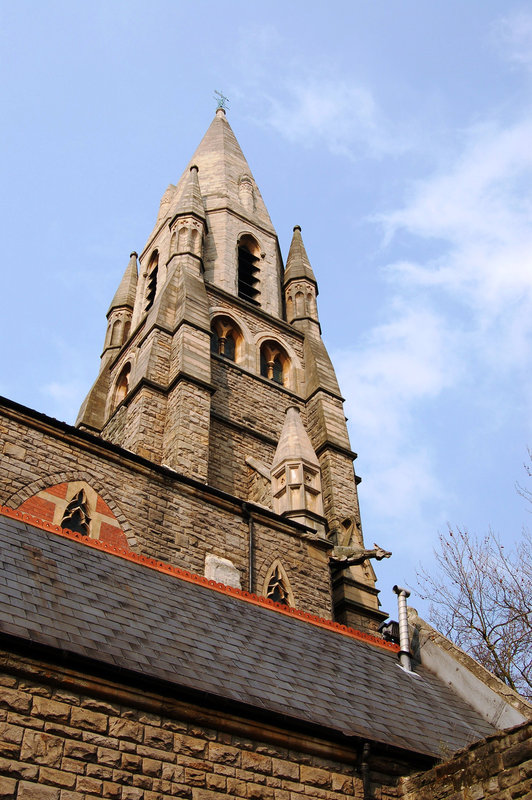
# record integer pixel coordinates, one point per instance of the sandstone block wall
(498, 768)
(248, 416)
(161, 516)
(58, 743)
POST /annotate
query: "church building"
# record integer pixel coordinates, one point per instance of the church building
(187, 605)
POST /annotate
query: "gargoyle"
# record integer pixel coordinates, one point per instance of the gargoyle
(349, 556)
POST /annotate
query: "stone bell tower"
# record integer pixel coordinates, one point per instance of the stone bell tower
(213, 362)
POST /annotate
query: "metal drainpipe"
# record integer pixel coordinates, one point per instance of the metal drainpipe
(246, 513)
(364, 770)
(404, 639)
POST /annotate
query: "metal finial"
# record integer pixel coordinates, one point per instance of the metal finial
(221, 99)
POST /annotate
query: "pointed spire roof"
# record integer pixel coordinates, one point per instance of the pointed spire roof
(297, 263)
(190, 201)
(221, 165)
(294, 443)
(127, 290)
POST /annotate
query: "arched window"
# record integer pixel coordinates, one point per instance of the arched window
(127, 328)
(274, 362)
(76, 517)
(226, 338)
(248, 269)
(122, 385)
(115, 332)
(151, 280)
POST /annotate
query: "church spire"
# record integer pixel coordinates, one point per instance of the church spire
(198, 376)
(121, 310)
(221, 165)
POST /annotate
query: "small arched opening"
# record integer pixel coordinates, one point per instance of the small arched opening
(127, 329)
(115, 333)
(226, 338)
(277, 586)
(274, 362)
(122, 385)
(182, 239)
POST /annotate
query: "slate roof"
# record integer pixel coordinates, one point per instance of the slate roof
(57, 591)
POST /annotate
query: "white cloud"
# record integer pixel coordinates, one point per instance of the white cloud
(514, 36)
(480, 210)
(401, 364)
(402, 361)
(330, 112)
(459, 319)
(314, 105)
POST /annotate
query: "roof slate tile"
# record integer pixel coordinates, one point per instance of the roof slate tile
(96, 604)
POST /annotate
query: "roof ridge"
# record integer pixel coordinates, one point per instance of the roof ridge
(191, 577)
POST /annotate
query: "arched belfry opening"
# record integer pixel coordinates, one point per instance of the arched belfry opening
(151, 280)
(249, 269)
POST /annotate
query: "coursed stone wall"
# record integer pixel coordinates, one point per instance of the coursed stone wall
(248, 416)
(498, 768)
(161, 515)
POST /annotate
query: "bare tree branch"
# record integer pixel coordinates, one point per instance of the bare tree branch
(481, 598)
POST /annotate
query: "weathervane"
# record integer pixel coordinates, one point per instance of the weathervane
(221, 99)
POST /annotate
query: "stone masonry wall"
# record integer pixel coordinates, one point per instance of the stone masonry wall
(186, 436)
(167, 518)
(59, 744)
(252, 405)
(498, 768)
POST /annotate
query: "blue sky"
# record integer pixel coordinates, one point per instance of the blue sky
(397, 134)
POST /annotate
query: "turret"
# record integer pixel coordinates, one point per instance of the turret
(295, 475)
(188, 222)
(121, 310)
(300, 285)
(92, 414)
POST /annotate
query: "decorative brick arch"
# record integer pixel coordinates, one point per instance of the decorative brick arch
(39, 497)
